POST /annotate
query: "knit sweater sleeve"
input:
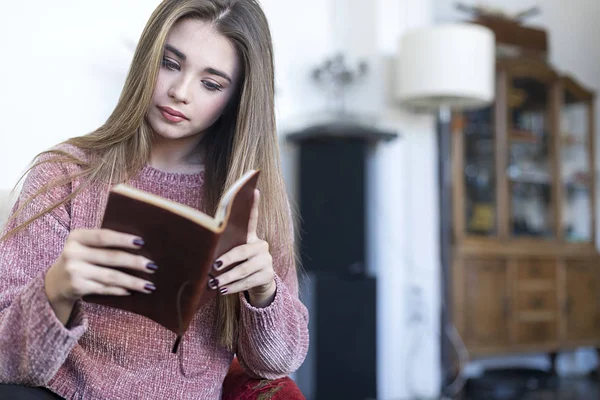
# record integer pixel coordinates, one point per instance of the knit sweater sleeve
(273, 341)
(33, 342)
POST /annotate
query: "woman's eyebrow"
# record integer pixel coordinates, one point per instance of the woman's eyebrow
(222, 74)
(175, 51)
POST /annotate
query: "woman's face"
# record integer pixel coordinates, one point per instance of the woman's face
(197, 78)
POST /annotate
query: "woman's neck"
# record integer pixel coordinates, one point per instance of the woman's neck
(179, 156)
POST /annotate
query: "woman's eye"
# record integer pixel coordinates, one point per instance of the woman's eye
(211, 86)
(170, 64)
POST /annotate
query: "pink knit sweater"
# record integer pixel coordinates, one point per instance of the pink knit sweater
(106, 353)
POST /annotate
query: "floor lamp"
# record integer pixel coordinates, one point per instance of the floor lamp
(441, 69)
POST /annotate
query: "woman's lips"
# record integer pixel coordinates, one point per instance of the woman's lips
(172, 115)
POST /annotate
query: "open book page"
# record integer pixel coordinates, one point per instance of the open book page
(182, 210)
(229, 195)
(176, 208)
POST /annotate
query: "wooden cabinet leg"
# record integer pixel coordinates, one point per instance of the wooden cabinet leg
(553, 364)
(595, 373)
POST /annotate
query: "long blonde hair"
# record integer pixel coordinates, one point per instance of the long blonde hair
(245, 136)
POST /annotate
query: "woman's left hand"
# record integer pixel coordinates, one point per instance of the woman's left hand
(255, 274)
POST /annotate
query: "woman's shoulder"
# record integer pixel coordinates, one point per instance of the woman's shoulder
(57, 167)
(61, 159)
(67, 150)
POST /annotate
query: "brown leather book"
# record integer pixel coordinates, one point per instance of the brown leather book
(183, 242)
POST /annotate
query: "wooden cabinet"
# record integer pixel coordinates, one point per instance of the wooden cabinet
(536, 311)
(525, 270)
(486, 305)
(507, 303)
(582, 301)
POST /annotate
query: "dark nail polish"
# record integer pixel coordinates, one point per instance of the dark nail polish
(138, 242)
(152, 266)
(223, 290)
(213, 283)
(217, 264)
(150, 287)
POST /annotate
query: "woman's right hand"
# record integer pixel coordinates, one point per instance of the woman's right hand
(84, 268)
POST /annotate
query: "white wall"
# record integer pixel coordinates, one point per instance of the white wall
(405, 223)
(573, 32)
(64, 69)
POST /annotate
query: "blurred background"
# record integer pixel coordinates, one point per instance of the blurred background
(441, 156)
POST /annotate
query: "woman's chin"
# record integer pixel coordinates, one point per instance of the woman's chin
(170, 136)
(177, 138)
(172, 133)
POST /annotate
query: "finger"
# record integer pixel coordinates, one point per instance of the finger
(98, 288)
(259, 278)
(114, 258)
(240, 254)
(106, 238)
(112, 277)
(235, 274)
(253, 222)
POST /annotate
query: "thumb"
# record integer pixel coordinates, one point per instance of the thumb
(253, 222)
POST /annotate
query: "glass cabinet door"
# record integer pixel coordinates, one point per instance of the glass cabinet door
(575, 168)
(480, 172)
(529, 170)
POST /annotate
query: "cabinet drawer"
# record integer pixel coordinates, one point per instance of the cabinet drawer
(536, 300)
(537, 270)
(537, 332)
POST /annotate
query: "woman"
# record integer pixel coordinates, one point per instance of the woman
(196, 112)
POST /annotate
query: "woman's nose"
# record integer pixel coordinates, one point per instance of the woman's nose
(180, 91)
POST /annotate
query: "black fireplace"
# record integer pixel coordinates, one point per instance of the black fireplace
(333, 245)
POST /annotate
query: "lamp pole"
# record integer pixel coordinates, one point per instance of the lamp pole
(445, 236)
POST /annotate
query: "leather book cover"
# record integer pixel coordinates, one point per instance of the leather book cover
(183, 242)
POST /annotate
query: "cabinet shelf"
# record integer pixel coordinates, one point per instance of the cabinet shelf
(524, 136)
(530, 181)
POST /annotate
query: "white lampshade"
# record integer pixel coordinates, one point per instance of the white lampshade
(451, 65)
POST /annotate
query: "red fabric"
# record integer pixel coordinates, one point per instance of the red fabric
(240, 386)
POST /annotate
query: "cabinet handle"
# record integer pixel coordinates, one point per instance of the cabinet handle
(568, 304)
(505, 307)
(537, 302)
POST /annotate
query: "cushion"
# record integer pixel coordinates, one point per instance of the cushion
(240, 386)
(5, 206)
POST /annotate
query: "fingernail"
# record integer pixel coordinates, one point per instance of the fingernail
(138, 242)
(152, 267)
(213, 283)
(223, 290)
(217, 264)
(150, 287)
